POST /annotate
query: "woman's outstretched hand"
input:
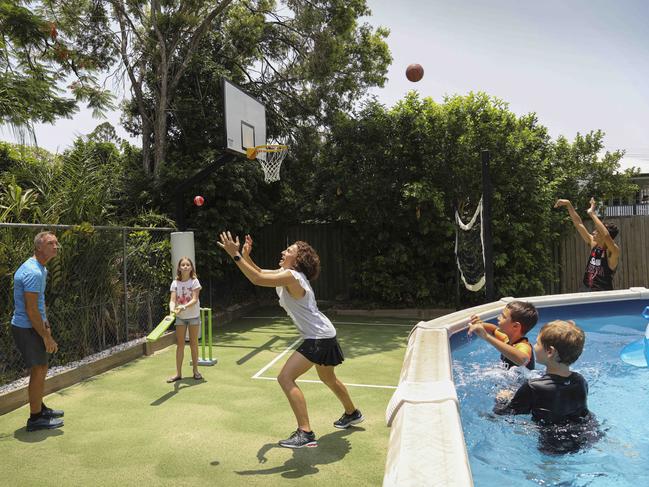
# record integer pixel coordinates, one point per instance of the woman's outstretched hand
(247, 246)
(227, 243)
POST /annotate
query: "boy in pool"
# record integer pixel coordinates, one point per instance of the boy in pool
(556, 400)
(515, 320)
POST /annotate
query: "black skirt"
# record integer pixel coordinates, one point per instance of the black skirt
(322, 351)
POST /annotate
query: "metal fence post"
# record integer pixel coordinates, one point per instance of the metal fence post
(124, 276)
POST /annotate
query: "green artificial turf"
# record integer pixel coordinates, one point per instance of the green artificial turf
(129, 427)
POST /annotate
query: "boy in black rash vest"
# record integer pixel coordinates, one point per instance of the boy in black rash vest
(604, 252)
(516, 319)
(557, 400)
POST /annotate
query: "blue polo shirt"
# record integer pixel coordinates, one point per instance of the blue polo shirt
(29, 278)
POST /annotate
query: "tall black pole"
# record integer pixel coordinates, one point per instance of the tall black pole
(486, 225)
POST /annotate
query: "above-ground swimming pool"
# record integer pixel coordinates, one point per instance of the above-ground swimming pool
(504, 450)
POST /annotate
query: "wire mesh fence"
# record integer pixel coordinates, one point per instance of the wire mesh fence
(103, 288)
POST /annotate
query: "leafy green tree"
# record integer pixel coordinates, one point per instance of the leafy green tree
(36, 60)
(82, 184)
(579, 172)
(16, 204)
(87, 183)
(20, 199)
(305, 58)
(28, 84)
(521, 201)
(306, 61)
(380, 173)
(397, 175)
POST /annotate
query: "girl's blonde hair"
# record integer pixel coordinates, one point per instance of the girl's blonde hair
(179, 274)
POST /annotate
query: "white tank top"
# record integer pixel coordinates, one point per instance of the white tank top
(310, 322)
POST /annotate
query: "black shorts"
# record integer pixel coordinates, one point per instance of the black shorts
(322, 351)
(31, 346)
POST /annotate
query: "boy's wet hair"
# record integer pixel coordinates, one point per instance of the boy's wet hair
(566, 338)
(612, 228)
(524, 313)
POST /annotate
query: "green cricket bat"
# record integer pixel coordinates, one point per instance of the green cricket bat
(161, 328)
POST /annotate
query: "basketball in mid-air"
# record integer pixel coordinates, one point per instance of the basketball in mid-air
(199, 200)
(414, 72)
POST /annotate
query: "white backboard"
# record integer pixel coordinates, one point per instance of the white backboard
(245, 119)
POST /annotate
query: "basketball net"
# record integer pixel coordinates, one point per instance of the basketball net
(469, 250)
(270, 157)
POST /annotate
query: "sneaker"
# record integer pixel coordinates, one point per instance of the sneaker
(43, 423)
(299, 439)
(51, 413)
(346, 420)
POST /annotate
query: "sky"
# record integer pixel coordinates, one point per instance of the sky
(580, 65)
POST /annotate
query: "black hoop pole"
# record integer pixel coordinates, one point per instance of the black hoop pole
(486, 222)
(179, 192)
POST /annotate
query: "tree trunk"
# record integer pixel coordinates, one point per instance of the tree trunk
(146, 144)
(154, 129)
(160, 116)
(160, 134)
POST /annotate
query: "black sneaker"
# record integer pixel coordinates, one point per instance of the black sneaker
(51, 413)
(43, 423)
(299, 439)
(346, 420)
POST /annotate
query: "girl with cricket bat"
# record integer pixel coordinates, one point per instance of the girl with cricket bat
(184, 303)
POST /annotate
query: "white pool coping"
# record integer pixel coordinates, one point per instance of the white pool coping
(426, 446)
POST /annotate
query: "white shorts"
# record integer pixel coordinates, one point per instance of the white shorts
(188, 321)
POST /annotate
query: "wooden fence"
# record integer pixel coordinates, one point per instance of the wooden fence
(571, 255)
(633, 269)
(329, 241)
(627, 210)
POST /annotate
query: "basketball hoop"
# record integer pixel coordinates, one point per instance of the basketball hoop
(270, 156)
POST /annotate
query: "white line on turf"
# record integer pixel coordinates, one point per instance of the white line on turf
(320, 382)
(269, 365)
(291, 347)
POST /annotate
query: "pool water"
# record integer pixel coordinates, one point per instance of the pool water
(503, 450)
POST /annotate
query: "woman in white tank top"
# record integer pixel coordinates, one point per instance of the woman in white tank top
(298, 265)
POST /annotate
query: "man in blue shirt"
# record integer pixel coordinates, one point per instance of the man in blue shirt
(31, 330)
